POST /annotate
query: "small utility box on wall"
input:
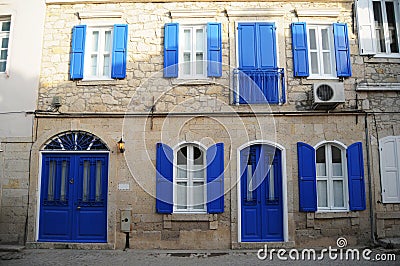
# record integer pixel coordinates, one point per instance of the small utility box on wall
(126, 220)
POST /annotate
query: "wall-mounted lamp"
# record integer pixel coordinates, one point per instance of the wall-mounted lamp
(121, 146)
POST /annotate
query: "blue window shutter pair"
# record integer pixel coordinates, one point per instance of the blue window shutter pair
(215, 179)
(120, 41)
(257, 46)
(214, 50)
(308, 182)
(300, 49)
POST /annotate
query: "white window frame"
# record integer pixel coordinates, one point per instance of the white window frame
(189, 180)
(386, 27)
(3, 35)
(100, 53)
(329, 178)
(192, 51)
(320, 51)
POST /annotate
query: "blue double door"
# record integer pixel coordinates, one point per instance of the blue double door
(73, 201)
(261, 194)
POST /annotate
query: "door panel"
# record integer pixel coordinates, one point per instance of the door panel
(55, 212)
(262, 215)
(91, 208)
(74, 198)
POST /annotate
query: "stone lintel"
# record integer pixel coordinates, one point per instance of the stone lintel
(317, 12)
(253, 12)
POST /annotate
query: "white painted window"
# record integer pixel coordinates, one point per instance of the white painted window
(98, 53)
(331, 182)
(321, 51)
(190, 180)
(386, 20)
(193, 48)
(390, 169)
(5, 26)
(378, 27)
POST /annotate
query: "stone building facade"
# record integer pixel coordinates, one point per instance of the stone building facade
(320, 170)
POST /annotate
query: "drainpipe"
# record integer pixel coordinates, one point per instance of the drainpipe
(371, 208)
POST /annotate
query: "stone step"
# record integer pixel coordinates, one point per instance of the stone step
(11, 248)
(390, 243)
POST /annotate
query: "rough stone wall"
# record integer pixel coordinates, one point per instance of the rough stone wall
(14, 182)
(144, 86)
(136, 167)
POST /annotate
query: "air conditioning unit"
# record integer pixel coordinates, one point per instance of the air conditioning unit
(327, 95)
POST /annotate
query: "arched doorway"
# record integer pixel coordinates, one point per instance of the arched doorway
(261, 196)
(73, 198)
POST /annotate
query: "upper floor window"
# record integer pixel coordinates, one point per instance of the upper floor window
(5, 25)
(99, 53)
(385, 18)
(378, 29)
(320, 51)
(258, 79)
(192, 51)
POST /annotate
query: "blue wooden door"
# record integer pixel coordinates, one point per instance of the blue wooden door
(73, 202)
(261, 194)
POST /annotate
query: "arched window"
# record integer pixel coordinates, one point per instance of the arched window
(331, 181)
(190, 179)
(76, 141)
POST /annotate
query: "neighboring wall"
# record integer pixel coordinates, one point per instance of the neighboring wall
(18, 97)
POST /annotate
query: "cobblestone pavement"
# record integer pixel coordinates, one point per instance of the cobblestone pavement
(55, 257)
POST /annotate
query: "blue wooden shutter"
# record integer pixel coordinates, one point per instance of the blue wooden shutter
(355, 169)
(215, 178)
(164, 178)
(307, 177)
(78, 51)
(247, 45)
(266, 45)
(342, 50)
(300, 49)
(171, 33)
(118, 67)
(214, 50)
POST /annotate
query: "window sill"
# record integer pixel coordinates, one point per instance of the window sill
(97, 82)
(193, 82)
(353, 216)
(322, 78)
(378, 87)
(336, 214)
(382, 59)
(212, 219)
(4, 75)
